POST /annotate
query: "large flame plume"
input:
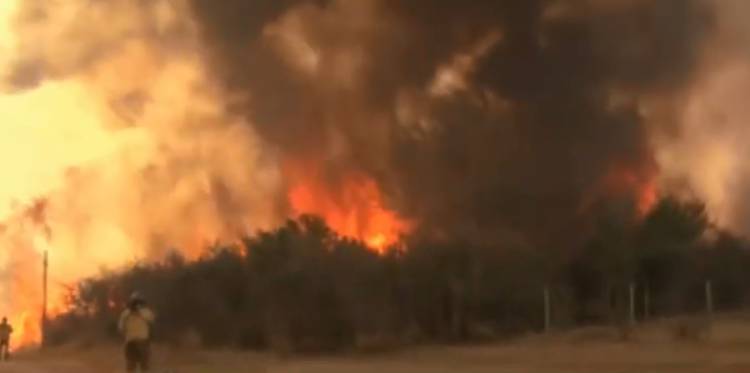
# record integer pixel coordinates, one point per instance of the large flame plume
(129, 144)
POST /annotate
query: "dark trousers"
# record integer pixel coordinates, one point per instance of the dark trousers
(137, 355)
(4, 349)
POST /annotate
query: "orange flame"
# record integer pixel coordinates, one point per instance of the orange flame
(25, 237)
(355, 208)
(643, 185)
(27, 331)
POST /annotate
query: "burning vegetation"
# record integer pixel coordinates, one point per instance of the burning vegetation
(155, 127)
(353, 207)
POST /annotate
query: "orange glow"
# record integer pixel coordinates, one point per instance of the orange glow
(648, 198)
(26, 330)
(354, 208)
(27, 233)
(642, 185)
(131, 147)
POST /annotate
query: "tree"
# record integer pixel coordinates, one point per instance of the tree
(666, 240)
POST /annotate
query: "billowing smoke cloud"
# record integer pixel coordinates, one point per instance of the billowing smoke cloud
(707, 153)
(177, 168)
(476, 117)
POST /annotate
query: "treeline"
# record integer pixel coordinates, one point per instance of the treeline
(302, 288)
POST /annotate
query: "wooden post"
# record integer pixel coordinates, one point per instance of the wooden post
(43, 326)
(632, 303)
(547, 310)
(646, 302)
(709, 299)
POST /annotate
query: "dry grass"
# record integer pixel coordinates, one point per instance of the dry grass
(656, 347)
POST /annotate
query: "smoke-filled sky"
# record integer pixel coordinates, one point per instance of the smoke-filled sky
(144, 125)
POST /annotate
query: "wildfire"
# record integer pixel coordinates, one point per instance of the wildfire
(355, 208)
(114, 113)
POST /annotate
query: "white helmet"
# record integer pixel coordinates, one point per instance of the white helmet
(136, 297)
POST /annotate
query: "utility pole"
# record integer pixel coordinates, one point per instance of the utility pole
(44, 300)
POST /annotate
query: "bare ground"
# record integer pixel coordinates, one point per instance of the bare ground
(651, 349)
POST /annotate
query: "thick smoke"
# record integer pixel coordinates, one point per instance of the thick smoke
(708, 151)
(477, 118)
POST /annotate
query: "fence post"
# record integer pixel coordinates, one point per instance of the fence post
(646, 302)
(547, 310)
(632, 303)
(709, 299)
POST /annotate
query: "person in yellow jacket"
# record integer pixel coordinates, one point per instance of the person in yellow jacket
(135, 325)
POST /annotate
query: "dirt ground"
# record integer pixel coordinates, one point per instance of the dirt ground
(651, 349)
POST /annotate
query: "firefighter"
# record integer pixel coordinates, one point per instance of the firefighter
(135, 325)
(5, 331)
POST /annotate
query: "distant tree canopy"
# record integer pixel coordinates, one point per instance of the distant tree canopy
(302, 287)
